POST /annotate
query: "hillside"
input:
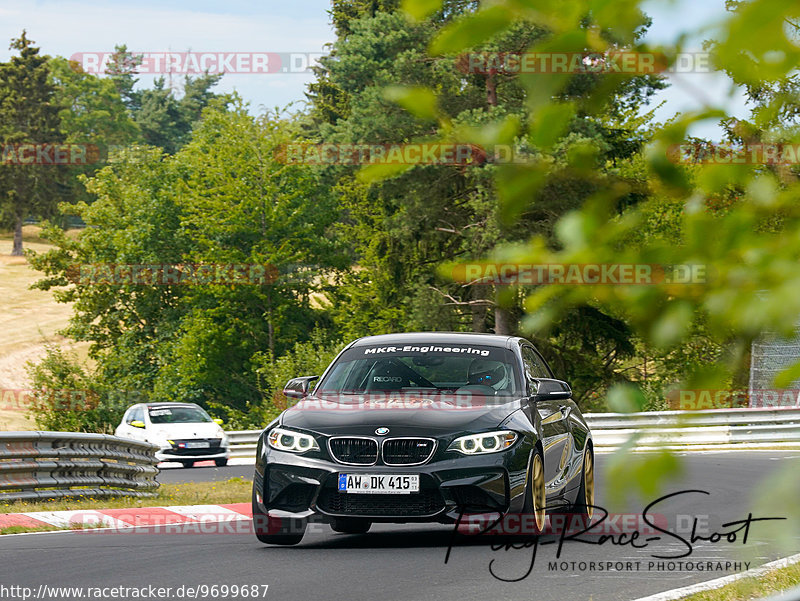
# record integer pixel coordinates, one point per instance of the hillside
(29, 320)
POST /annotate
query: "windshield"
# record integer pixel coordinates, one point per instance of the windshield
(428, 368)
(177, 415)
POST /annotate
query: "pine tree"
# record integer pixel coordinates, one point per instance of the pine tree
(28, 115)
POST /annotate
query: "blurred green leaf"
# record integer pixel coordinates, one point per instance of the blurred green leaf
(417, 100)
(549, 123)
(472, 30)
(787, 377)
(517, 187)
(420, 9)
(672, 324)
(625, 398)
(381, 171)
(645, 473)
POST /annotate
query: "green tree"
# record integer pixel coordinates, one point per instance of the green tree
(241, 205)
(750, 250)
(167, 121)
(29, 114)
(223, 199)
(92, 110)
(402, 228)
(159, 118)
(163, 118)
(133, 220)
(94, 115)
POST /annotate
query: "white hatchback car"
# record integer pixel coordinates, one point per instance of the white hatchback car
(184, 431)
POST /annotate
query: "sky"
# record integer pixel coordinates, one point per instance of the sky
(299, 27)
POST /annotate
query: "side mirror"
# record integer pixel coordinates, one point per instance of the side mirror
(297, 388)
(218, 421)
(137, 424)
(548, 389)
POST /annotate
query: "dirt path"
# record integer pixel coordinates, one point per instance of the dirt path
(13, 382)
(29, 320)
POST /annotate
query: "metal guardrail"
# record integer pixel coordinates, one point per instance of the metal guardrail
(713, 429)
(243, 442)
(54, 465)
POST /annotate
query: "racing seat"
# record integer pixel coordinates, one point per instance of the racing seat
(386, 375)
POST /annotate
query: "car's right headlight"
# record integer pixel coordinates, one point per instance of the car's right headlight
(294, 442)
(488, 442)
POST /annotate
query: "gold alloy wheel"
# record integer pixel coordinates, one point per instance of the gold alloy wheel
(538, 492)
(588, 481)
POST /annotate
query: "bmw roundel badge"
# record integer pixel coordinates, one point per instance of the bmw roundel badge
(381, 431)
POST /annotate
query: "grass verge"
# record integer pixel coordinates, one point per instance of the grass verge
(746, 589)
(234, 490)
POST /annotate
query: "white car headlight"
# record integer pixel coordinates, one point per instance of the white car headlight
(488, 442)
(295, 442)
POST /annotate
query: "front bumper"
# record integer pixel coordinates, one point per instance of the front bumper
(171, 454)
(296, 487)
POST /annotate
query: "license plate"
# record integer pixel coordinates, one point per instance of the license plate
(378, 484)
(198, 445)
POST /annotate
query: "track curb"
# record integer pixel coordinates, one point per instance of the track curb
(129, 518)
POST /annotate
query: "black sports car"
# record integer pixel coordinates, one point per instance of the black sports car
(423, 427)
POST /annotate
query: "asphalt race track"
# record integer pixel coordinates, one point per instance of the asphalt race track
(395, 562)
(204, 471)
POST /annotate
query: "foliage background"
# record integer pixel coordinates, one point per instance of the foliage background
(370, 250)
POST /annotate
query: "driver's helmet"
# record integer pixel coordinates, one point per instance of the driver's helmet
(488, 373)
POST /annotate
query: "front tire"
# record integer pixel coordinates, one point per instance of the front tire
(580, 515)
(221, 462)
(535, 495)
(272, 534)
(187, 464)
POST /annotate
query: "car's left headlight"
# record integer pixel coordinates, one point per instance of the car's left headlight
(294, 442)
(487, 442)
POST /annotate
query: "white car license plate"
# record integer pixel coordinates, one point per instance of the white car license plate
(378, 484)
(198, 445)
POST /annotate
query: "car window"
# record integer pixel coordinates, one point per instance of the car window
(534, 365)
(135, 414)
(177, 415)
(425, 366)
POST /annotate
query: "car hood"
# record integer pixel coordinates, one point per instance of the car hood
(187, 431)
(407, 417)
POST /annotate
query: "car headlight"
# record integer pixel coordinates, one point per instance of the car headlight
(295, 442)
(488, 442)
